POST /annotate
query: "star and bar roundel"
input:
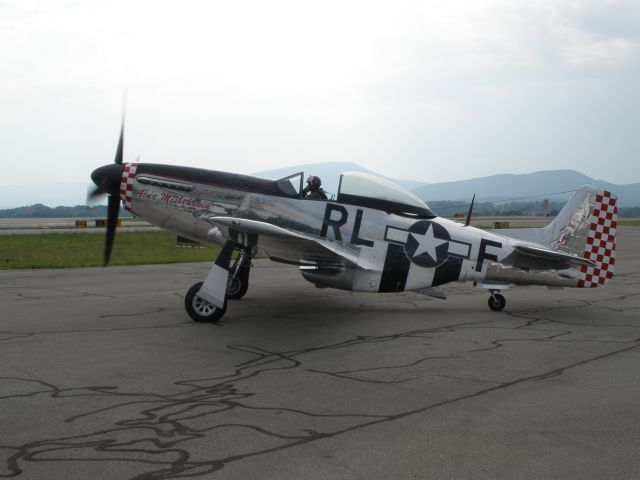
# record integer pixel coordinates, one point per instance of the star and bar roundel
(427, 244)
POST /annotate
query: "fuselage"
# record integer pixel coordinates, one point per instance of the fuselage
(412, 249)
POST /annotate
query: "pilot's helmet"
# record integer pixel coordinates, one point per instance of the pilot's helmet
(316, 182)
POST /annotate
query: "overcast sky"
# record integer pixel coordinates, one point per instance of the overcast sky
(428, 90)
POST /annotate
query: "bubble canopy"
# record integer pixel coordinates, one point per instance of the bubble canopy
(357, 188)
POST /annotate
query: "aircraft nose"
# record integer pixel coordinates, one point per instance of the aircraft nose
(108, 177)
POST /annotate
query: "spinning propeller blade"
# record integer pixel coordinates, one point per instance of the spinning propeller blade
(107, 180)
(118, 158)
(113, 209)
(98, 191)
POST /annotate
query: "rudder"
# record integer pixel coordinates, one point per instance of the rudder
(600, 246)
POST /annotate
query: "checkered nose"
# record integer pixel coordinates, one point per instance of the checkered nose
(107, 178)
(126, 184)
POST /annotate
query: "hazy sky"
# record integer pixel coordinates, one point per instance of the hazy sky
(428, 90)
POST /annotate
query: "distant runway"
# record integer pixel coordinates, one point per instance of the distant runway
(39, 226)
(104, 376)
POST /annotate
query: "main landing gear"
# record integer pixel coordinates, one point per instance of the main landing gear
(207, 301)
(496, 301)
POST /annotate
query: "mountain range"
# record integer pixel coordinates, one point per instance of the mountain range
(556, 184)
(550, 183)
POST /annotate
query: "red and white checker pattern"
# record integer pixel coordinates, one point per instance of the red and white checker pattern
(601, 242)
(126, 184)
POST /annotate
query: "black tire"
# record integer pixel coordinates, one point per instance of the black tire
(237, 287)
(497, 302)
(199, 309)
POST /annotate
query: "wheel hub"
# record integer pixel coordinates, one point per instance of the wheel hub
(233, 286)
(203, 307)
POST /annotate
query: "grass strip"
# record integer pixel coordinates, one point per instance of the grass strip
(68, 250)
(629, 223)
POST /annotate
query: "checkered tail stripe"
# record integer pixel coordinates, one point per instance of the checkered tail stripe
(601, 242)
(126, 184)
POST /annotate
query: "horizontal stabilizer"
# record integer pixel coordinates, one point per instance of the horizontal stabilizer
(551, 255)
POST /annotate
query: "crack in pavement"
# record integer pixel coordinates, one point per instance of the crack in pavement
(164, 426)
(12, 335)
(137, 314)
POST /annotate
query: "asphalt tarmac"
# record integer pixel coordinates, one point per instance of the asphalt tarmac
(103, 376)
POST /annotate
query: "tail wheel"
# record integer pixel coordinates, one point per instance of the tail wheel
(199, 309)
(497, 302)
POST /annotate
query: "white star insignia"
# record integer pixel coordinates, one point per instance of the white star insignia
(427, 243)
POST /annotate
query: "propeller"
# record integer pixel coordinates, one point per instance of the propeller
(107, 180)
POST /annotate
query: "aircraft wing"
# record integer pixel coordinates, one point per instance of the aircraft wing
(545, 254)
(288, 246)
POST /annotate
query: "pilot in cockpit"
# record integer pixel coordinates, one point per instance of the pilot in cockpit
(313, 190)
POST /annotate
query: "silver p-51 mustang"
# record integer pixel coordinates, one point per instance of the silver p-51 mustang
(374, 236)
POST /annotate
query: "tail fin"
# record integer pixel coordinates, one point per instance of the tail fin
(586, 227)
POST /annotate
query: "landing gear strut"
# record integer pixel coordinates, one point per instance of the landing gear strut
(496, 301)
(238, 282)
(207, 301)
